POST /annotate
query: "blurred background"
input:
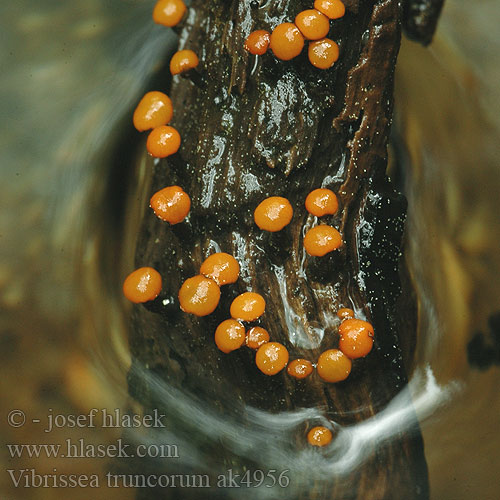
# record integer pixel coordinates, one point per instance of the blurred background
(72, 73)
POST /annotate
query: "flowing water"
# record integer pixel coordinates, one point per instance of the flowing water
(72, 72)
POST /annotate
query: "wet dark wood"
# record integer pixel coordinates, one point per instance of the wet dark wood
(420, 18)
(262, 127)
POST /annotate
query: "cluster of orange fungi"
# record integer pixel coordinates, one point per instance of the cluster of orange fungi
(287, 39)
(275, 212)
(200, 295)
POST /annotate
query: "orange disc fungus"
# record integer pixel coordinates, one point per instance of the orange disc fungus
(142, 285)
(331, 8)
(323, 53)
(257, 42)
(271, 358)
(163, 141)
(171, 204)
(182, 61)
(356, 338)
(319, 436)
(321, 240)
(256, 337)
(333, 366)
(230, 335)
(300, 368)
(221, 267)
(153, 110)
(312, 24)
(287, 41)
(322, 202)
(199, 296)
(345, 313)
(169, 12)
(248, 306)
(273, 214)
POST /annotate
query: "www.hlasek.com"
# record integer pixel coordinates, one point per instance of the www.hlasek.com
(82, 449)
(29, 478)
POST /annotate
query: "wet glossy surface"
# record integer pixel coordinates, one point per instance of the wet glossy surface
(169, 12)
(142, 285)
(271, 358)
(199, 296)
(230, 335)
(153, 110)
(171, 204)
(312, 24)
(333, 366)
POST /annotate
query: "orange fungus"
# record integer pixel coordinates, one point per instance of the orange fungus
(221, 267)
(248, 306)
(273, 214)
(271, 358)
(257, 42)
(319, 436)
(345, 313)
(199, 296)
(230, 335)
(182, 61)
(256, 337)
(153, 110)
(169, 12)
(322, 202)
(323, 53)
(163, 141)
(321, 240)
(287, 41)
(333, 366)
(332, 9)
(171, 204)
(356, 338)
(300, 368)
(142, 285)
(312, 24)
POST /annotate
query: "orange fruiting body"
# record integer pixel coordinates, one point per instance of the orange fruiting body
(312, 24)
(257, 42)
(300, 368)
(199, 296)
(248, 306)
(221, 267)
(142, 285)
(321, 240)
(271, 358)
(273, 214)
(356, 338)
(319, 436)
(153, 110)
(345, 313)
(171, 204)
(332, 9)
(287, 41)
(256, 337)
(230, 335)
(323, 53)
(163, 141)
(169, 12)
(322, 202)
(333, 366)
(183, 61)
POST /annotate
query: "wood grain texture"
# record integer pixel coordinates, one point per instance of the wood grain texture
(262, 127)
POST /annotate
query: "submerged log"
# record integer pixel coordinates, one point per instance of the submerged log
(257, 127)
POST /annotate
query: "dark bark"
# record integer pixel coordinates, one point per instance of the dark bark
(263, 127)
